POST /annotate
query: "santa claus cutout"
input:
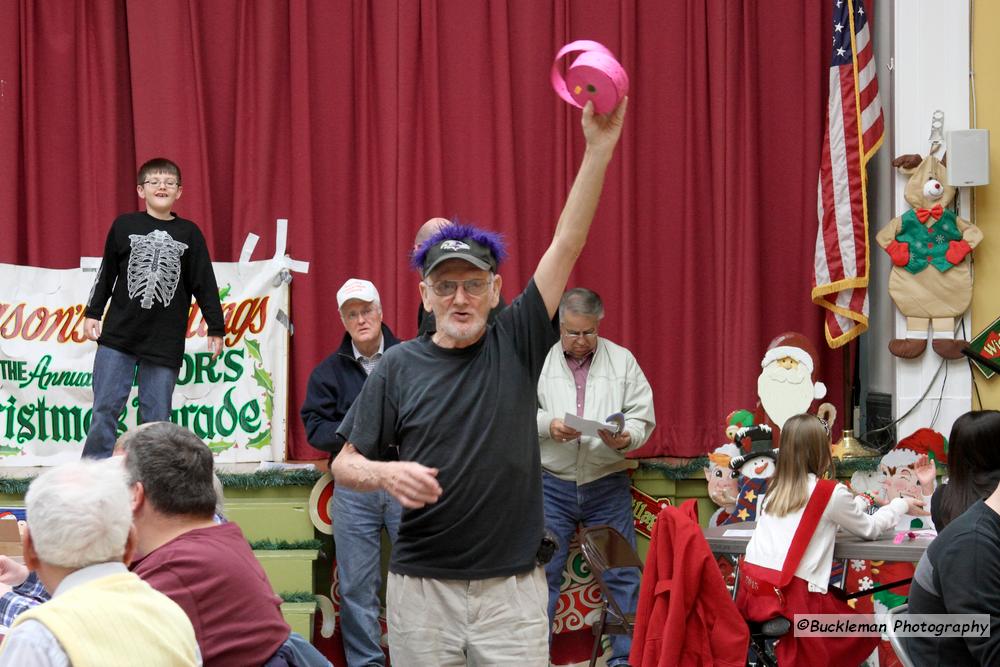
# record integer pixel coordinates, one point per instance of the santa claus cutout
(787, 384)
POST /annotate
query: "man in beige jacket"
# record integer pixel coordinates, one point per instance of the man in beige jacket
(585, 478)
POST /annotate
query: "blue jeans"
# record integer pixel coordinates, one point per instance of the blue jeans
(297, 652)
(358, 519)
(113, 375)
(604, 501)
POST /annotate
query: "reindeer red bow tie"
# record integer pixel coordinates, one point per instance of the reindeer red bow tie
(935, 212)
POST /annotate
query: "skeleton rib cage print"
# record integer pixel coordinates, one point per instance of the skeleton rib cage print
(154, 267)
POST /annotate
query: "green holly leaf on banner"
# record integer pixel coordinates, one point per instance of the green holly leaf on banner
(268, 406)
(260, 441)
(7, 450)
(253, 347)
(219, 447)
(224, 292)
(263, 379)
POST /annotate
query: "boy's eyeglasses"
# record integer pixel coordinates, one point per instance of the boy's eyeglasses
(472, 287)
(155, 183)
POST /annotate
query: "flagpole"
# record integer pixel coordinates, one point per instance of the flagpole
(850, 447)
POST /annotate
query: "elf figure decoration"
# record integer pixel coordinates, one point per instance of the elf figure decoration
(907, 470)
(930, 248)
(723, 482)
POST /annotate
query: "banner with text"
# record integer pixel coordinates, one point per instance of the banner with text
(237, 403)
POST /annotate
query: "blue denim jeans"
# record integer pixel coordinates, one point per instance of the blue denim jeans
(113, 375)
(358, 519)
(604, 501)
(297, 652)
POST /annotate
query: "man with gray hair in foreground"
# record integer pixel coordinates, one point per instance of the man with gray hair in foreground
(78, 540)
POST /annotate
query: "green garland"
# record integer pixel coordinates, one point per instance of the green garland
(670, 468)
(284, 545)
(677, 468)
(297, 596)
(261, 479)
(14, 486)
(846, 467)
(264, 479)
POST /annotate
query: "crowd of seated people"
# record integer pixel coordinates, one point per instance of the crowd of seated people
(143, 532)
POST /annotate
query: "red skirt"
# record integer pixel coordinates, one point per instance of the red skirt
(759, 601)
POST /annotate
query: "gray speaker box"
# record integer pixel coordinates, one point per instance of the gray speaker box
(968, 157)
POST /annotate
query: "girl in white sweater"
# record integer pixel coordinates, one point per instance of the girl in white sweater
(788, 559)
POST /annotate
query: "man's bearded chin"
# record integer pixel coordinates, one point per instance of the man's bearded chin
(784, 392)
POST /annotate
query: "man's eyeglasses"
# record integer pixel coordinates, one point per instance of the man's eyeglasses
(155, 183)
(572, 335)
(472, 287)
(366, 312)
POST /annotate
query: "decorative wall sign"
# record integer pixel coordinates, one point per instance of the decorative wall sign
(236, 403)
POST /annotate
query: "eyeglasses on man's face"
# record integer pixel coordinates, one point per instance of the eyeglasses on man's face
(365, 312)
(169, 184)
(472, 287)
(588, 335)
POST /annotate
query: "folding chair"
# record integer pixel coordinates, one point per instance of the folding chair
(895, 640)
(604, 548)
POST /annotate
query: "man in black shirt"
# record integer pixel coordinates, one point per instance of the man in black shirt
(460, 405)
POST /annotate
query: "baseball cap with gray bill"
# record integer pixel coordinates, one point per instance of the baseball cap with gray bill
(465, 249)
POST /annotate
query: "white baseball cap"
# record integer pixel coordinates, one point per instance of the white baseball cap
(355, 288)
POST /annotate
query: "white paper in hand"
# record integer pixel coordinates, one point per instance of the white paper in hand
(615, 423)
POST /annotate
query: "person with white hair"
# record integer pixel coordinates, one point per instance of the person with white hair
(78, 540)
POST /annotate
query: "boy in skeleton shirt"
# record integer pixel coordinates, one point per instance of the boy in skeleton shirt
(154, 262)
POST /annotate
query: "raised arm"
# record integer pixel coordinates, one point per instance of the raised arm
(601, 133)
(412, 484)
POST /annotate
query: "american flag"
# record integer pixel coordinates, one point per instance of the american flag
(854, 129)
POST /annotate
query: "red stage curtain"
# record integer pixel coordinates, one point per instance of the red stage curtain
(359, 120)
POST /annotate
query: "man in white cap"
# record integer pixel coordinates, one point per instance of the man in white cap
(358, 517)
(465, 585)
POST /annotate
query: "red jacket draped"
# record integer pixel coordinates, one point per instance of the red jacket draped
(685, 614)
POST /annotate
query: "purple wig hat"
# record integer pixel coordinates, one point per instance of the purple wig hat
(483, 249)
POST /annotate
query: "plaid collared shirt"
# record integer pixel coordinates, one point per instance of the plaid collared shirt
(22, 598)
(369, 363)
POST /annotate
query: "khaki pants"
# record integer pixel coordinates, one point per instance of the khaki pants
(454, 622)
